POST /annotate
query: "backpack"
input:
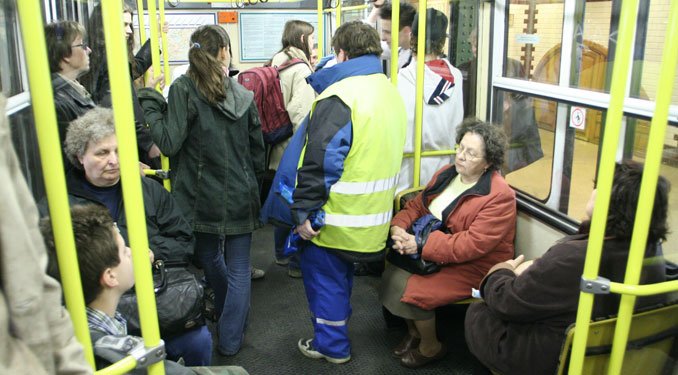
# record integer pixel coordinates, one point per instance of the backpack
(264, 82)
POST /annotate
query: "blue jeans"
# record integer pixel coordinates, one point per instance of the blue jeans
(279, 238)
(226, 263)
(194, 346)
(328, 281)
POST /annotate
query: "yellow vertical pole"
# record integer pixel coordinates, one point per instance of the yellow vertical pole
(142, 22)
(419, 92)
(163, 37)
(320, 32)
(627, 26)
(395, 35)
(153, 26)
(129, 174)
(337, 14)
(40, 85)
(648, 188)
(164, 160)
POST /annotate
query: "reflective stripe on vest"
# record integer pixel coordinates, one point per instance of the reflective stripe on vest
(353, 221)
(368, 187)
(359, 205)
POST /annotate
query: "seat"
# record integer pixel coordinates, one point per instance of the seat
(651, 346)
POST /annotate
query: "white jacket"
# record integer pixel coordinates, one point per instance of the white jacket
(443, 111)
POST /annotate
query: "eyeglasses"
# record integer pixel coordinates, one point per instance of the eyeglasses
(81, 45)
(470, 155)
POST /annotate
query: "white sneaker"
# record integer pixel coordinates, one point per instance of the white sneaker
(306, 349)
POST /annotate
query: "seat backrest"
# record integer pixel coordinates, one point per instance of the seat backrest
(650, 346)
(404, 196)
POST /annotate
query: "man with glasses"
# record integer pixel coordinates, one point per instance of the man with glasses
(68, 59)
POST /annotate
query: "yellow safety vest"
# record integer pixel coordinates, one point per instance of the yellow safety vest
(360, 205)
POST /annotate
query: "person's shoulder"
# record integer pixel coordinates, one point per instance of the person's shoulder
(238, 90)
(183, 80)
(568, 249)
(500, 185)
(279, 58)
(151, 186)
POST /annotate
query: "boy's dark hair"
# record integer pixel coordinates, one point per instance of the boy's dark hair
(95, 244)
(436, 32)
(407, 13)
(356, 39)
(624, 203)
(59, 37)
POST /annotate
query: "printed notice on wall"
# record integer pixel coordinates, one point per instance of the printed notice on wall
(261, 32)
(578, 117)
(181, 26)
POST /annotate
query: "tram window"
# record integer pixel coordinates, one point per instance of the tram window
(25, 143)
(650, 42)
(10, 73)
(533, 38)
(529, 125)
(352, 15)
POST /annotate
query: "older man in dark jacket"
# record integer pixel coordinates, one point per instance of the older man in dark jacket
(91, 146)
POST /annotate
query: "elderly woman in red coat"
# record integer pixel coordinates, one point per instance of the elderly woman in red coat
(477, 211)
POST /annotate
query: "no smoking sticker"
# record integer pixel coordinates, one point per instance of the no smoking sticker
(578, 118)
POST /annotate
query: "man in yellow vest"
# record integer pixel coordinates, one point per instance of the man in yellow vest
(348, 169)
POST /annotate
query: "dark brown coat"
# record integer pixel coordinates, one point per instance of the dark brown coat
(521, 326)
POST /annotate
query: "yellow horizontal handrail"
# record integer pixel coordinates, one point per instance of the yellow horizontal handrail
(346, 9)
(644, 290)
(123, 366)
(430, 153)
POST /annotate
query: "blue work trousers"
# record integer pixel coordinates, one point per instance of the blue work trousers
(226, 263)
(328, 281)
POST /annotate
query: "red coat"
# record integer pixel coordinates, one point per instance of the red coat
(481, 223)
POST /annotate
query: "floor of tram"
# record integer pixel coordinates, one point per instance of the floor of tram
(279, 318)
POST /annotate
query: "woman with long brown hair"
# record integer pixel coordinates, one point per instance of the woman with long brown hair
(210, 129)
(295, 58)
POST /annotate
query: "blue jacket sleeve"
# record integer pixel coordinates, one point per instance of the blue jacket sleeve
(330, 134)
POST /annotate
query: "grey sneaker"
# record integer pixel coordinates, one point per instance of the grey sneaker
(294, 273)
(257, 273)
(306, 349)
(282, 262)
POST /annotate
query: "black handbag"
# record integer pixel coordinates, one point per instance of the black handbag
(417, 266)
(178, 298)
(422, 228)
